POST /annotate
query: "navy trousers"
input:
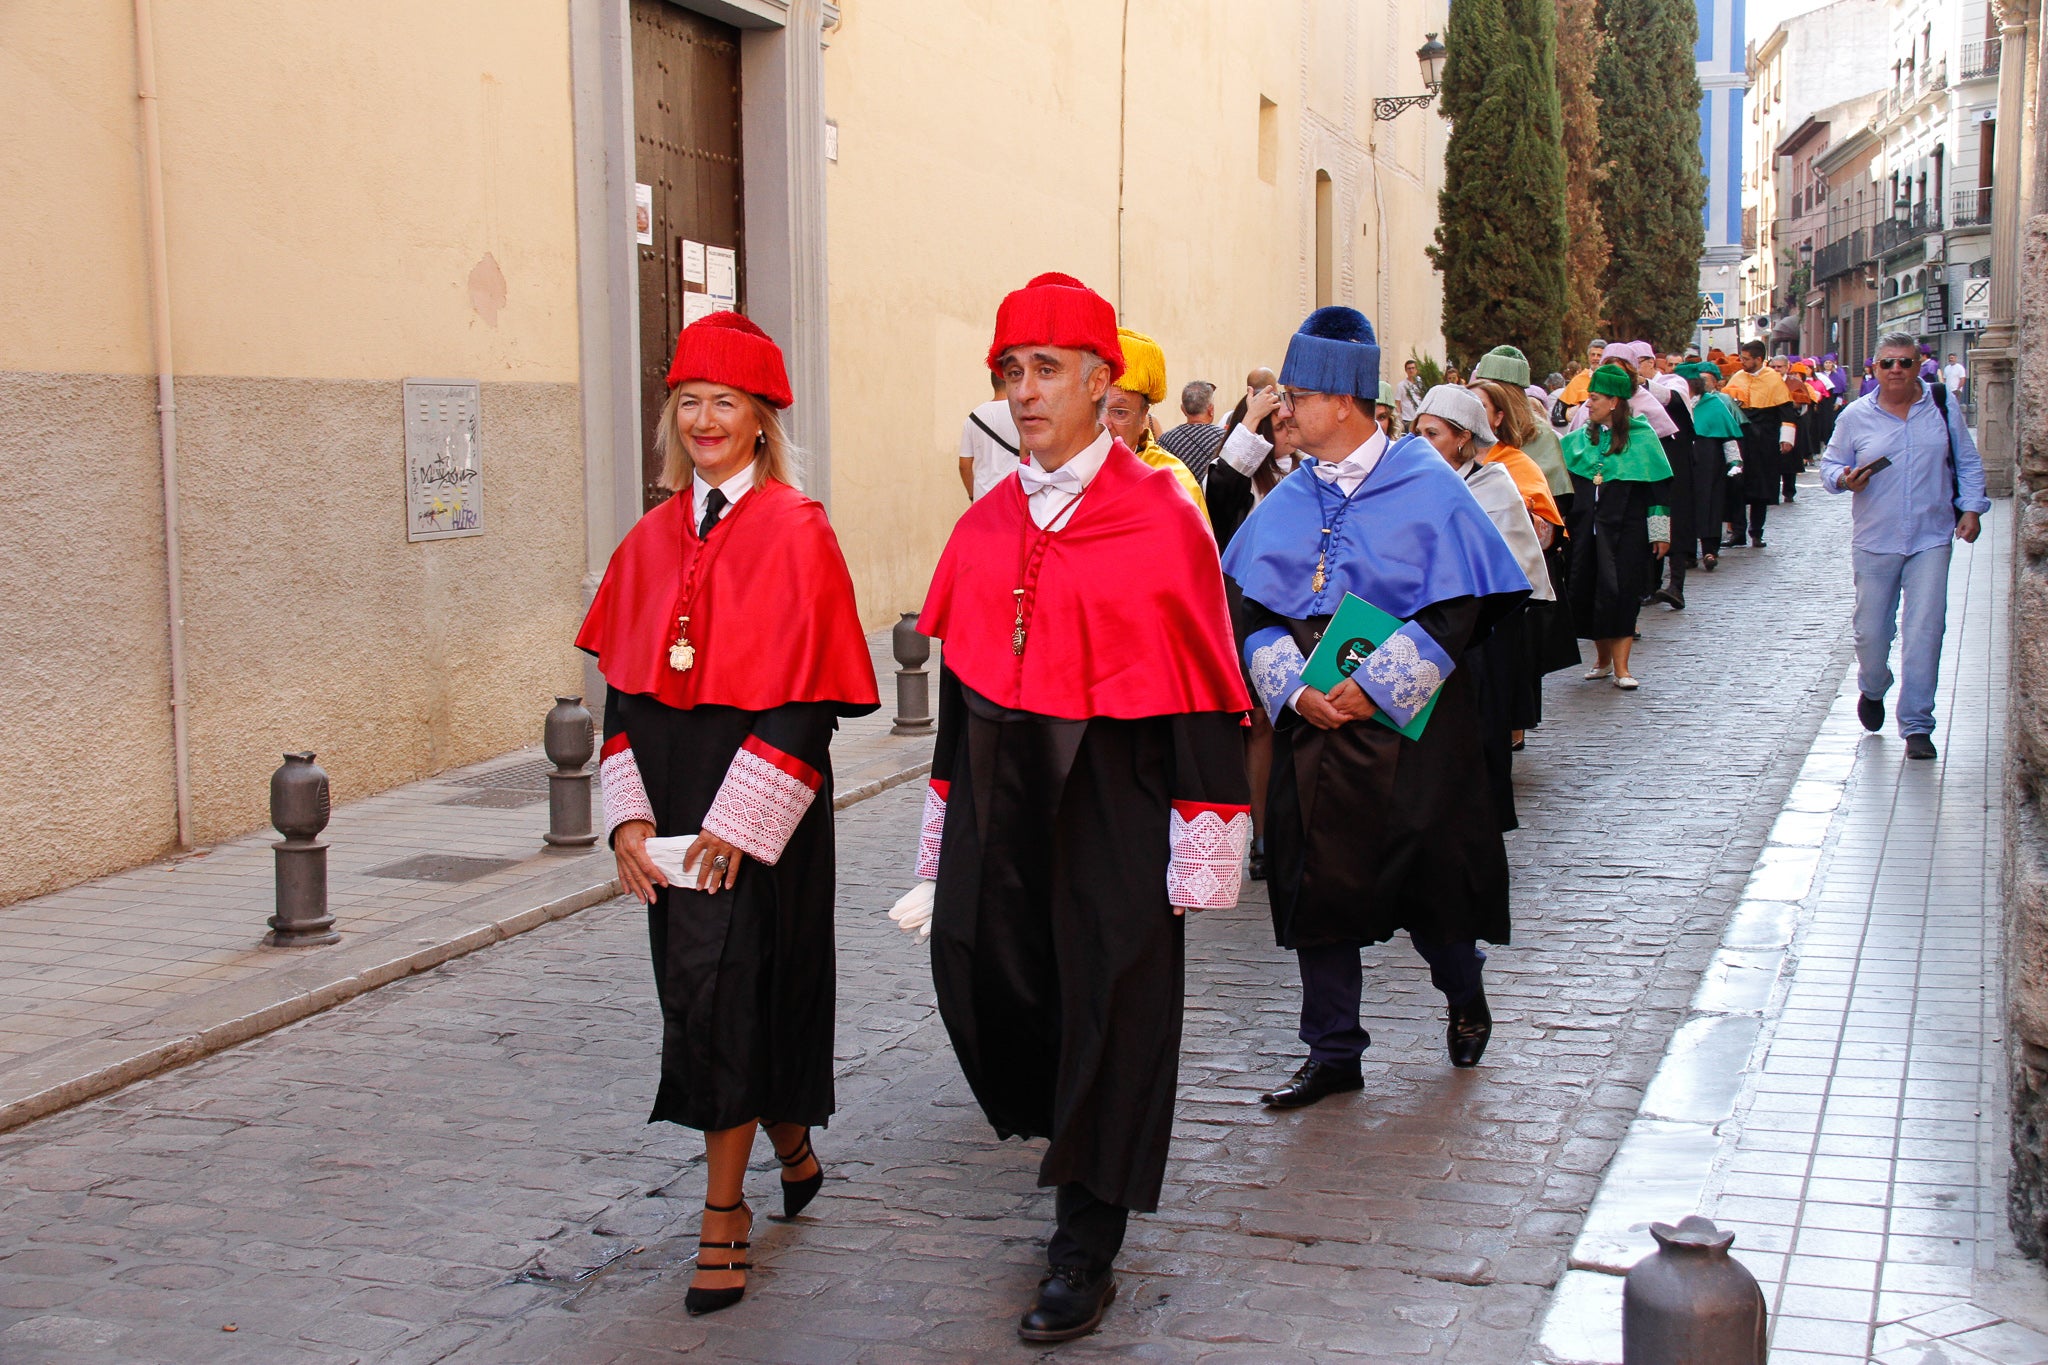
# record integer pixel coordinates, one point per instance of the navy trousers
(1331, 980)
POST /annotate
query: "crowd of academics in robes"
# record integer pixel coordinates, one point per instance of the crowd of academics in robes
(1331, 637)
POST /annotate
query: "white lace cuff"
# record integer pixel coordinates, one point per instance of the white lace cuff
(1660, 530)
(618, 784)
(1275, 663)
(1205, 869)
(762, 800)
(1403, 674)
(934, 825)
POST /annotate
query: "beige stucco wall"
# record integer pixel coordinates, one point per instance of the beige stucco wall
(979, 146)
(355, 195)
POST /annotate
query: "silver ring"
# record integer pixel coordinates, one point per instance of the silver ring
(721, 862)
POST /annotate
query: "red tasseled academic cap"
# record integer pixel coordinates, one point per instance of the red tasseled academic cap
(1058, 310)
(725, 348)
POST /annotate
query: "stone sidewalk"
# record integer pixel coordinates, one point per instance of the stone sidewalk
(110, 981)
(1836, 1095)
(453, 1168)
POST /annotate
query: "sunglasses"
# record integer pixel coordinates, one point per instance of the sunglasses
(1898, 362)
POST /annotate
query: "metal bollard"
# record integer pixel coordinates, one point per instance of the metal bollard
(1690, 1303)
(569, 742)
(913, 681)
(299, 807)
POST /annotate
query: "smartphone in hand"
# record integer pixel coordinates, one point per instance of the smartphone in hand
(1881, 462)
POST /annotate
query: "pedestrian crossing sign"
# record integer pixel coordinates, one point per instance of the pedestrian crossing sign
(1713, 309)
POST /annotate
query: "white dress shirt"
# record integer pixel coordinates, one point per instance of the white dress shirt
(1352, 470)
(1049, 495)
(735, 487)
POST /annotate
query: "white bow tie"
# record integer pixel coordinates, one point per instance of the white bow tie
(1343, 469)
(1065, 479)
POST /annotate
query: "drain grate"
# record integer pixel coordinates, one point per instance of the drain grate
(442, 867)
(530, 775)
(498, 798)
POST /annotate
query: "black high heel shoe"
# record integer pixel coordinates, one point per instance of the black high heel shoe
(797, 1194)
(701, 1301)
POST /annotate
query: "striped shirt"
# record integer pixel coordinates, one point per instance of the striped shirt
(1194, 444)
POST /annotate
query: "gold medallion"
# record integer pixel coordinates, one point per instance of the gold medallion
(682, 656)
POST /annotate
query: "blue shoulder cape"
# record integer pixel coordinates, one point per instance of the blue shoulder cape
(1410, 536)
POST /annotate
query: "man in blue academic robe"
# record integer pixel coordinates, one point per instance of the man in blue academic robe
(1369, 832)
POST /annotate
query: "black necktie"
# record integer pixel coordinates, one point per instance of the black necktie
(714, 503)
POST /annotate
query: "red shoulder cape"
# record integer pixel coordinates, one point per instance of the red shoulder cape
(774, 621)
(1127, 618)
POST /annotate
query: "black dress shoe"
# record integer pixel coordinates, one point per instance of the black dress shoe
(1870, 710)
(1471, 1025)
(1071, 1302)
(1258, 872)
(1756, 542)
(1314, 1081)
(1919, 746)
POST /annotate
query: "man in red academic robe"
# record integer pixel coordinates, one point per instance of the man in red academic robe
(1087, 787)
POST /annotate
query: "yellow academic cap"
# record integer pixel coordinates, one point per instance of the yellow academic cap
(1144, 365)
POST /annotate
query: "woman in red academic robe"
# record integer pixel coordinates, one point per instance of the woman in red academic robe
(726, 630)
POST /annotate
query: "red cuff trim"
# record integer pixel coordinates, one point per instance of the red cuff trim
(1188, 810)
(613, 745)
(795, 767)
(944, 790)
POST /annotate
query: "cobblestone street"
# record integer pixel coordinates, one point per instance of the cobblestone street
(454, 1167)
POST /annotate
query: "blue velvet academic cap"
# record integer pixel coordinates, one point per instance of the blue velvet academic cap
(1334, 352)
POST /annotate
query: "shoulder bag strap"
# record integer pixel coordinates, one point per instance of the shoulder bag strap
(975, 418)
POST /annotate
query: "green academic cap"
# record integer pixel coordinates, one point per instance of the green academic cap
(1506, 364)
(1614, 381)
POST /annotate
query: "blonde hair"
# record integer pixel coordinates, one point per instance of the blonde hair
(1516, 425)
(774, 456)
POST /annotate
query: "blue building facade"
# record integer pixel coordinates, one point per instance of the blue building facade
(1721, 55)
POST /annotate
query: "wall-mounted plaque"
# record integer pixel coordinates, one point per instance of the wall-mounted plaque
(444, 480)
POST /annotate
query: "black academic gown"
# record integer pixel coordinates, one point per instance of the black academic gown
(1689, 511)
(1369, 833)
(745, 976)
(1611, 553)
(1057, 959)
(1763, 466)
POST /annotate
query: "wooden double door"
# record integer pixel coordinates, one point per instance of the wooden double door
(686, 132)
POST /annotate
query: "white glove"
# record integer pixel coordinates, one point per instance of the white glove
(913, 913)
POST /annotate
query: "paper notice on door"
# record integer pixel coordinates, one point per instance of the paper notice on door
(696, 306)
(643, 214)
(721, 274)
(693, 262)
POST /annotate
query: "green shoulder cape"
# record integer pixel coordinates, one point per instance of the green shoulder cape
(1642, 461)
(1715, 417)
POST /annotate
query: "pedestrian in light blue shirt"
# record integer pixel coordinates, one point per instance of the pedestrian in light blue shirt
(1919, 488)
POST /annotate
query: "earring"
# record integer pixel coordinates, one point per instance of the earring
(760, 438)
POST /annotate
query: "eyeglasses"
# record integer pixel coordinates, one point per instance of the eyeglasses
(1897, 362)
(1289, 397)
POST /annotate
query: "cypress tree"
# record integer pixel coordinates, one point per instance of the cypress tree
(1654, 189)
(1500, 238)
(1585, 253)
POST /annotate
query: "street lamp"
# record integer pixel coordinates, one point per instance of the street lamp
(1806, 252)
(1902, 210)
(1431, 58)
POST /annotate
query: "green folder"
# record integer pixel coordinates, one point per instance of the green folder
(1355, 631)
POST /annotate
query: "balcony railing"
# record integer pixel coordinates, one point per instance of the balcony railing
(1969, 208)
(1842, 256)
(1981, 59)
(1893, 233)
